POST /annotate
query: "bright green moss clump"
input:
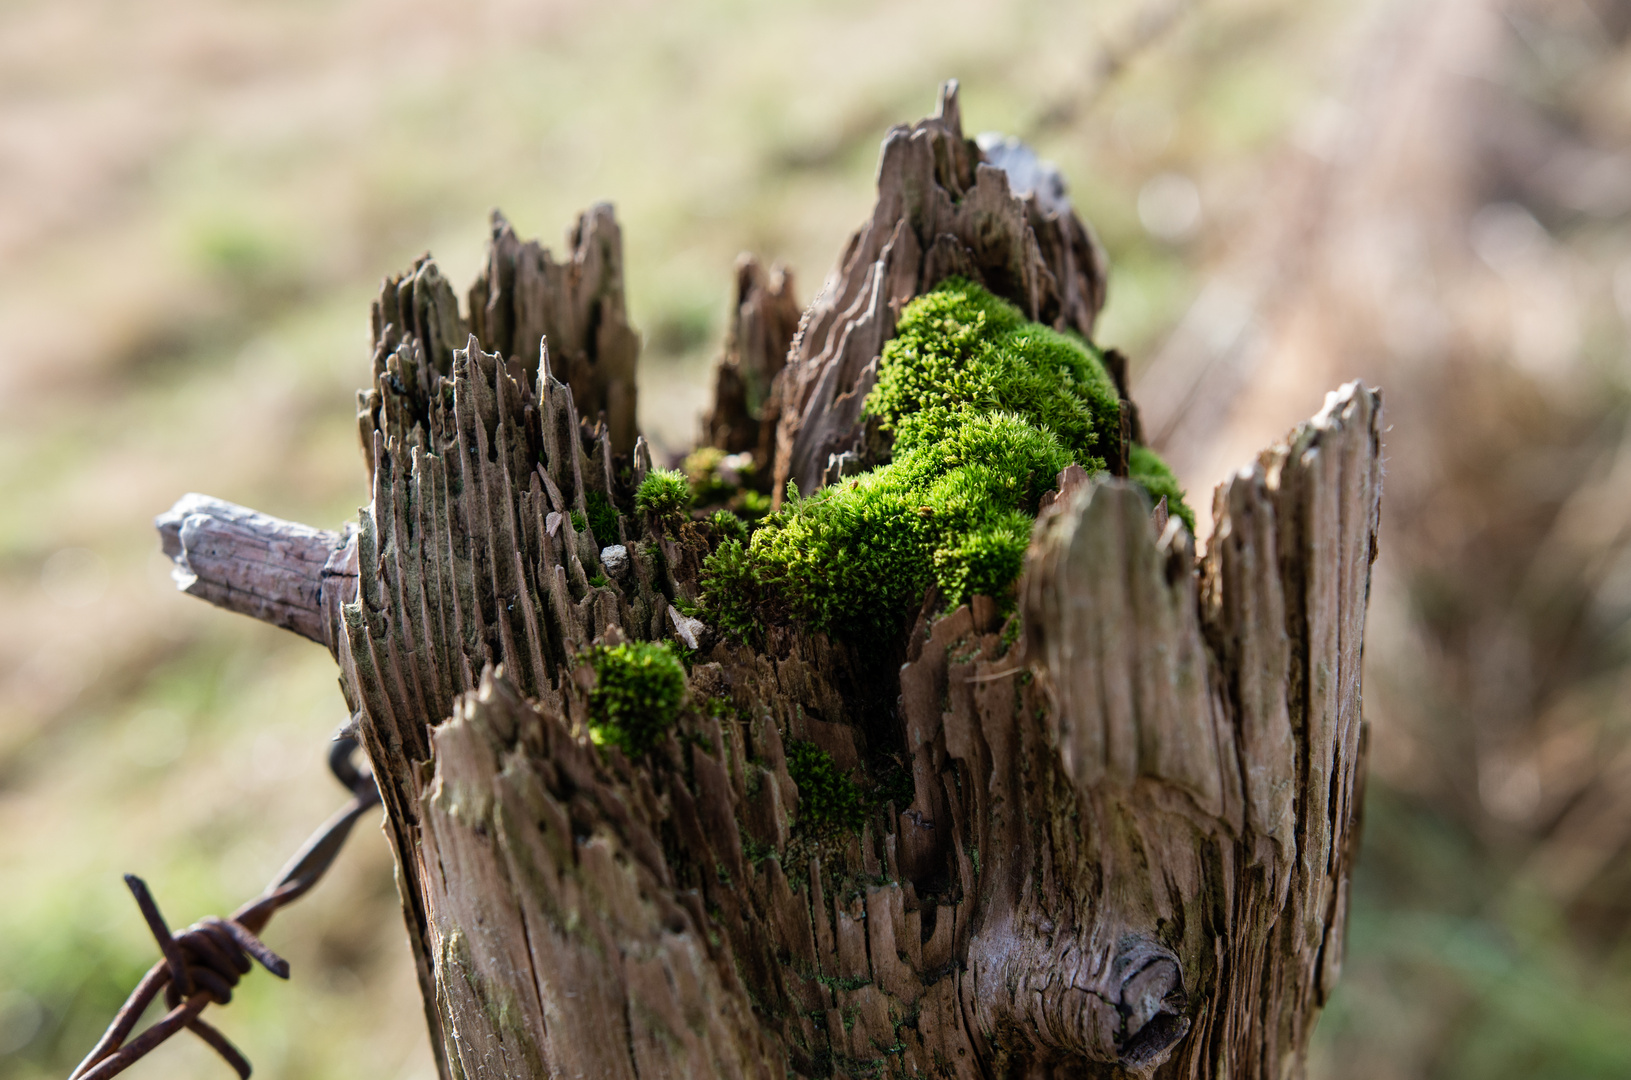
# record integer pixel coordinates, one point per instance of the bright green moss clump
(664, 493)
(856, 557)
(959, 351)
(985, 409)
(828, 799)
(639, 689)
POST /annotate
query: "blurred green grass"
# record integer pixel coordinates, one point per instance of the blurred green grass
(196, 204)
(1453, 971)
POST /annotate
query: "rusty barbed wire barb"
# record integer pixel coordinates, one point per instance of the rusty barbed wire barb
(167, 945)
(203, 963)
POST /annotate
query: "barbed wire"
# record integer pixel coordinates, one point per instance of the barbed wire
(204, 962)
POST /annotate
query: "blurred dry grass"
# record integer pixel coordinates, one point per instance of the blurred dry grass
(196, 201)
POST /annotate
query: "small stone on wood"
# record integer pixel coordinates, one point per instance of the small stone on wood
(693, 632)
(615, 558)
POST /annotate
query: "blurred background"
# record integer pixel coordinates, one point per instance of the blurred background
(197, 201)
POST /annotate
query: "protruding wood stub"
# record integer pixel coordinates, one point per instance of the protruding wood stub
(277, 571)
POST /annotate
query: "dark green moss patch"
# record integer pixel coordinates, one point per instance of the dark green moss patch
(1145, 466)
(828, 799)
(639, 690)
(756, 852)
(602, 517)
(727, 526)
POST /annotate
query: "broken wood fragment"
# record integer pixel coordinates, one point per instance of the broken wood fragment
(277, 571)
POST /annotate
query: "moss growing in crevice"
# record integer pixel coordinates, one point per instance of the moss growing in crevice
(829, 801)
(602, 517)
(639, 691)
(959, 350)
(856, 558)
(985, 409)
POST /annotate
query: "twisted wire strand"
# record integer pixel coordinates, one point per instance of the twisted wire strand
(203, 963)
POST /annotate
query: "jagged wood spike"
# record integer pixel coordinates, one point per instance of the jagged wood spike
(525, 298)
(763, 321)
(403, 586)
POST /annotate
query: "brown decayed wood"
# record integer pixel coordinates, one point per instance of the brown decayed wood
(1130, 824)
(745, 411)
(524, 297)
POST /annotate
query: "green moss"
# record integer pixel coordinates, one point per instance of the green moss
(639, 689)
(856, 557)
(731, 589)
(728, 526)
(752, 503)
(1145, 466)
(664, 493)
(602, 517)
(960, 350)
(1011, 632)
(828, 799)
(756, 852)
(701, 469)
(985, 561)
(579, 522)
(985, 409)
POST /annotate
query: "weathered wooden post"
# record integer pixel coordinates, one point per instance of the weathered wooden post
(1109, 834)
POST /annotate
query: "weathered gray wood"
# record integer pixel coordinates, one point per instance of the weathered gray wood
(1130, 824)
(277, 571)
